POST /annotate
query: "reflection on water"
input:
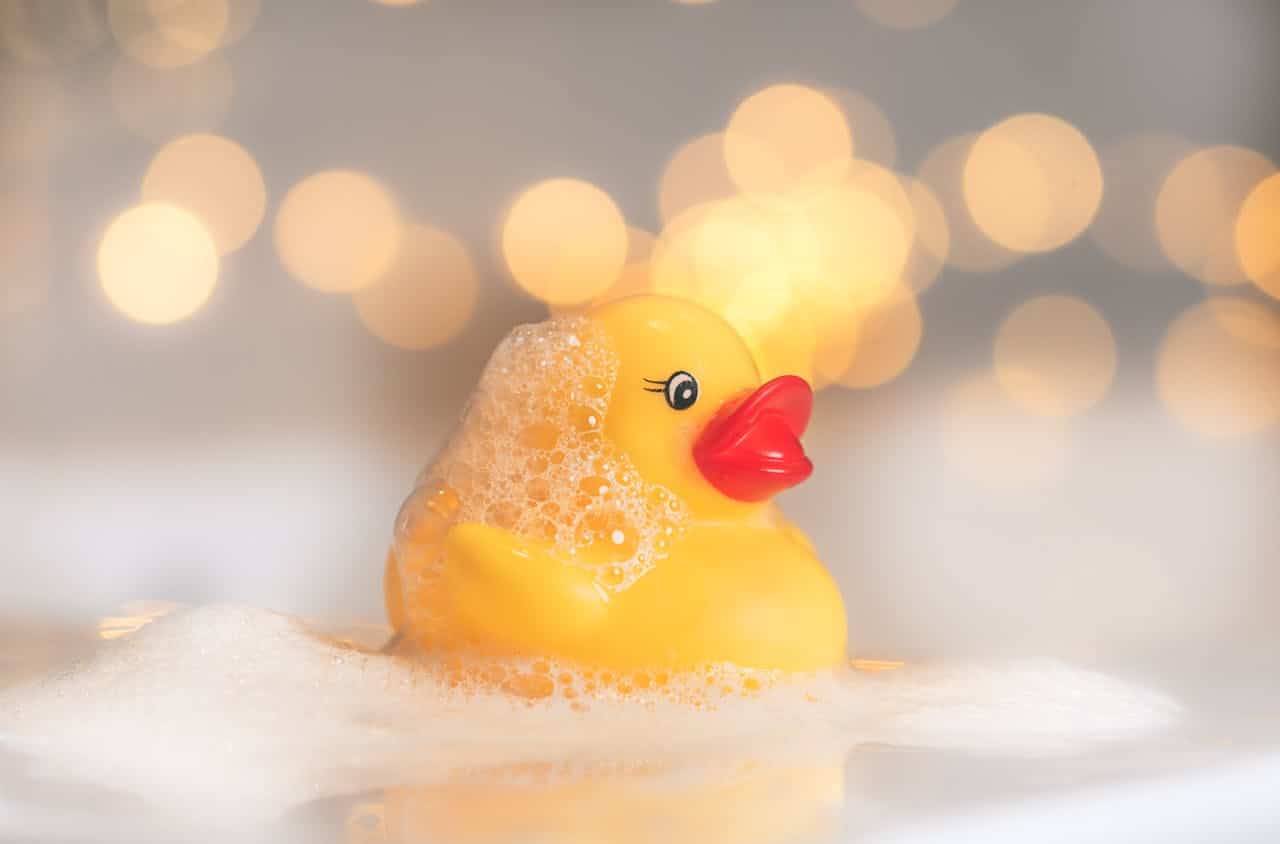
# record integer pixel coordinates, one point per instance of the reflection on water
(235, 719)
(133, 616)
(742, 799)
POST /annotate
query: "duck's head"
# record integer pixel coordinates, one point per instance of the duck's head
(690, 410)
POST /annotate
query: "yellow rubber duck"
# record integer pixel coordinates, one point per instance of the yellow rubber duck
(727, 579)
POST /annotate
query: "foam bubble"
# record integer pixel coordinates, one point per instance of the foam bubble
(230, 712)
(530, 456)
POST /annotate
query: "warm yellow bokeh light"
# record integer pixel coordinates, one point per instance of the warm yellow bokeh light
(635, 278)
(785, 345)
(157, 263)
(338, 230)
(751, 263)
(932, 243)
(793, 273)
(564, 241)
(786, 136)
(1135, 168)
(943, 173)
(214, 178)
(1197, 208)
(889, 187)
(168, 33)
(741, 265)
(158, 104)
(873, 135)
(706, 252)
(695, 174)
(671, 261)
(1219, 367)
(862, 244)
(905, 14)
(1257, 235)
(885, 339)
(995, 443)
(1032, 182)
(1254, 324)
(1055, 355)
(427, 296)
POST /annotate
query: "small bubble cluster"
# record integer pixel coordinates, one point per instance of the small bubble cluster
(558, 681)
(530, 457)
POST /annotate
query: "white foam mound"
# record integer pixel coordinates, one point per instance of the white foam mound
(231, 711)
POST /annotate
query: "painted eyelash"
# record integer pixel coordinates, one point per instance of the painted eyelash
(660, 389)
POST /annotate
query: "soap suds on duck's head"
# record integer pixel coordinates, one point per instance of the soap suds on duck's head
(235, 712)
(528, 456)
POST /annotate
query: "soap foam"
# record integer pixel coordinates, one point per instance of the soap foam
(229, 712)
(529, 456)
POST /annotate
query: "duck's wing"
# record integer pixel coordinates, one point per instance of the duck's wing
(517, 592)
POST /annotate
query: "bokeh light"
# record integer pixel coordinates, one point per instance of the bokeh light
(1032, 182)
(158, 104)
(785, 136)
(214, 178)
(427, 296)
(777, 226)
(788, 344)
(885, 340)
(797, 271)
(157, 264)
(696, 173)
(906, 14)
(697, 255)
(932, 242)
(1218, 370)
(133, 616)
(1197, 208)
(168, 33)
(1257, 235)
(1055, 355)
(564, 241)
(745, 260)
(635, 276)
(708, 252)
(338, 230)
(942, 171)
(863, 232)
(1135, 168)
(889, 187)
(994, 442)
(873, 135)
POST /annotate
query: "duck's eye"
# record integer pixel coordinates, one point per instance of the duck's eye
(681, 391)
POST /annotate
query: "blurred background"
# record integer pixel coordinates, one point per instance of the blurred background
(254, 254)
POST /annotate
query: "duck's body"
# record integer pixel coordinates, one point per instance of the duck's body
(726, 579)
(753, 596)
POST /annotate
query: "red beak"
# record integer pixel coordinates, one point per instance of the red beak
(750, 450)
